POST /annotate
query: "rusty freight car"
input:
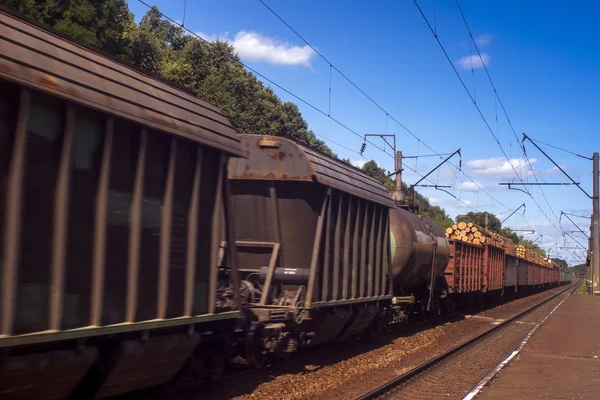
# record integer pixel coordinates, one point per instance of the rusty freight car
(312, 236)
(475, 268)
(114, 186)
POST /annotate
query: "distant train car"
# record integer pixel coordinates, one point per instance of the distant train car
(113, 187)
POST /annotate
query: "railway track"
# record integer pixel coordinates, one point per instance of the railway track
(464, 369)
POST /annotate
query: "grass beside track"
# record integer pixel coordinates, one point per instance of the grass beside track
(583, 290)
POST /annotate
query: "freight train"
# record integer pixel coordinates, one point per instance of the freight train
(144, 242)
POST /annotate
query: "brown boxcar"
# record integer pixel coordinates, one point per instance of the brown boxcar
(494, 265)
(464, 273)
(512, 273)
(113, 187)
(523, 271)
(313, 242)
(475, 268)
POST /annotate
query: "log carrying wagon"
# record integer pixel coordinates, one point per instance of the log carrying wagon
(113, 188)
(464, 273)
(475, 268)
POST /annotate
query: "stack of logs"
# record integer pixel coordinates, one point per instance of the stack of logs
(466, 232)
(471, 233)
(521, 251)
(474, 234)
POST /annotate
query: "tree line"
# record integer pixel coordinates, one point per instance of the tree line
(212, 71)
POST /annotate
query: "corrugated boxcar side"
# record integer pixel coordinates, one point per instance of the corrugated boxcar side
(131, 170)
(523, 271)
(512, 277)
(464, 273)
(101, 205)
(325, 218)
(533, 274)
(111, 187)
(355, 262)
(494, 268)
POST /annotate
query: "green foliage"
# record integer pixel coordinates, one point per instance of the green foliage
(479, 219)
(579, 271)
(212, 71)
(436, 213)
(372, 169)
(583, 289)
(102, 23)
(508, 233)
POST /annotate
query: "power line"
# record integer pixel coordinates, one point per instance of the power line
(269, 80)
(485, 69)
(433, 183)
(560, 148)
(497, 96)
(291, 94)
(475, 103)
(466, 89)
(379, 106)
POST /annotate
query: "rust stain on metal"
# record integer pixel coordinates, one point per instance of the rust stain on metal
(279, 156)
(272, 176)
(49, 81)
(266, 142)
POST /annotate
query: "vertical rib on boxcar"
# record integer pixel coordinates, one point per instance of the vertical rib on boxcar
(313, 243)
(113, 191)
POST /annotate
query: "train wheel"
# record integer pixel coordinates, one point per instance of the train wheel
(256, 354)
(216, 365)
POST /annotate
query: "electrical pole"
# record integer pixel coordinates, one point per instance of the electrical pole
(595, 261)
(399, 195)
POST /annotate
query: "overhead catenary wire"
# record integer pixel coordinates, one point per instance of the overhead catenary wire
(497, 96)
(302, 100)
(436, 186)
(364, 93)
(466, 89)
(559, 148)
(436, 37)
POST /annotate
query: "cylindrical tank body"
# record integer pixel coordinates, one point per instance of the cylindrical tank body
(412, 245)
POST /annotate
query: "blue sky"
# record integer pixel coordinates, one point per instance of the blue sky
(544, 59)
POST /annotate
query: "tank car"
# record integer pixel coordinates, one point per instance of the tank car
(420, 253)
(113, 192)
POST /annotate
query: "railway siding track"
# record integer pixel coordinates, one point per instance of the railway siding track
(453, 374)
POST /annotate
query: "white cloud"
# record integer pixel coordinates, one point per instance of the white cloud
(358, 163)
(253, 46)
(470, 186)
(209, 37)
(434, 200)
(483, 40)
(474, 61)
(500, 168)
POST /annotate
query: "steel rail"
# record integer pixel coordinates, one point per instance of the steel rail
(404, 378)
